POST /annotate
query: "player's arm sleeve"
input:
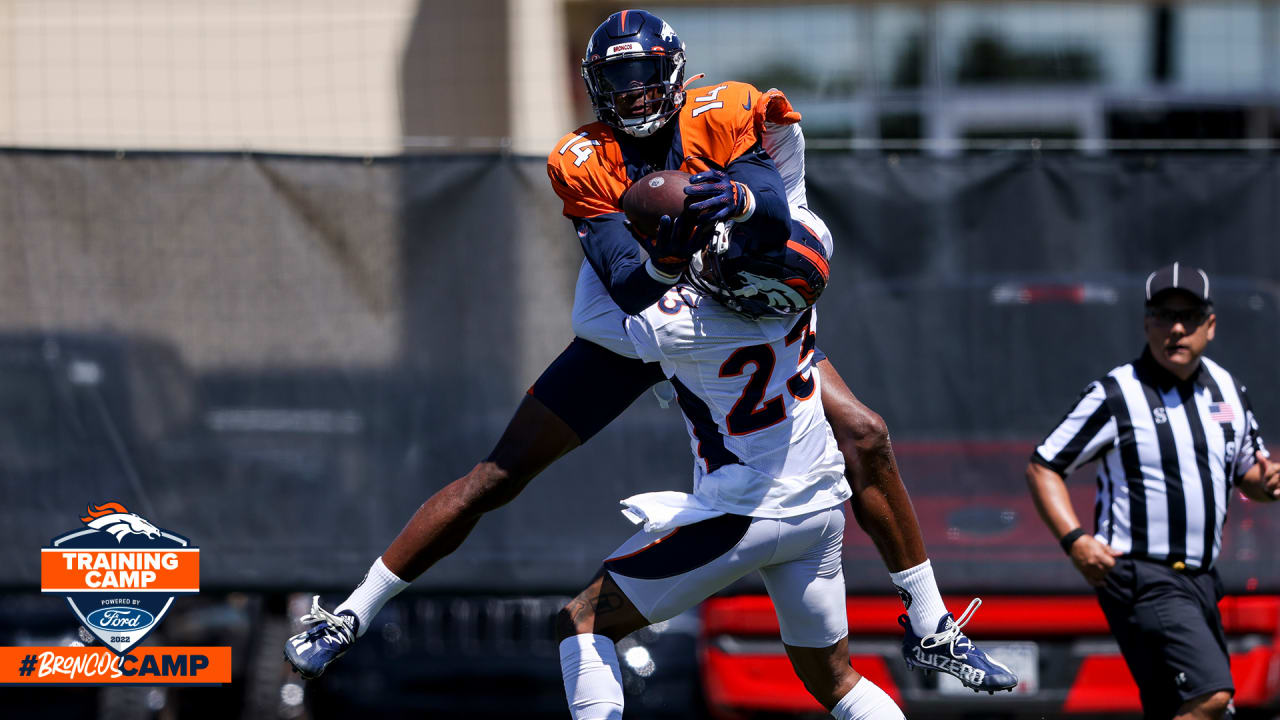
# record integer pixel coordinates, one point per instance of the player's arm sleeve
(771, 217)
(590, 203)
(1250, 443)
(645, 338)
(785, 145)
(1087, 431)
(619, 261)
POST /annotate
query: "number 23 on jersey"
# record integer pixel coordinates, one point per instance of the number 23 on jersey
(752, 412)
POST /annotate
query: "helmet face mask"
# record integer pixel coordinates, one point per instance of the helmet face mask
(634, 72)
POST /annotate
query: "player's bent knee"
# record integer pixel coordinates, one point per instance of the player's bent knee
(851, 421)
(872, 432)
(825, 672)
(823, 691)
(857, 427)
(489, 486)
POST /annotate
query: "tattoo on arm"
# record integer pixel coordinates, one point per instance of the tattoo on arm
(581, 612)
(607, 603)
(586, 609)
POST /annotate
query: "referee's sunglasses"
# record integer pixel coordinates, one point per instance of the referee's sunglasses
(1189, 318)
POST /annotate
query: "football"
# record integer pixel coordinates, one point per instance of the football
(652, 196)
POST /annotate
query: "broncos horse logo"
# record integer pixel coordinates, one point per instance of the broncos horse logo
(778, 293)
(113, 518)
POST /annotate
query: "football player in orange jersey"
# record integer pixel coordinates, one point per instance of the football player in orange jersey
(634, 73)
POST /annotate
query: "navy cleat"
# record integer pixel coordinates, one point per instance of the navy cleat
(312, 650)
(949, 651)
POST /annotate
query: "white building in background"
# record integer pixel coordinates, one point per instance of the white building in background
(292, 76)
(382, 77)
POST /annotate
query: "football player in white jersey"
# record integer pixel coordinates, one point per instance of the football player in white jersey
(768, 480)
(598, 375)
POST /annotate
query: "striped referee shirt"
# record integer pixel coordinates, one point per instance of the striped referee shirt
(1166, 448)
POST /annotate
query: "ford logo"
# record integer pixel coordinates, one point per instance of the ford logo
(120, 618)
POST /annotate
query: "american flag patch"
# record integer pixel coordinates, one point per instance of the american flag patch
(1221, 412)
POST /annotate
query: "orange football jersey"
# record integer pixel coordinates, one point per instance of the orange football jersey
(718, 123)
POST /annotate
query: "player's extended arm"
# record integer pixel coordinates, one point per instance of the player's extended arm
(620, 262)
(1049, 491)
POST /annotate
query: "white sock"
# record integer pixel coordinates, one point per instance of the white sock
(592, 677)
(866, 701)
(378, 586)
(919, 594)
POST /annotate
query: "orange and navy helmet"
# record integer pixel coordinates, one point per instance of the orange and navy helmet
(634, 70)
(755, 279)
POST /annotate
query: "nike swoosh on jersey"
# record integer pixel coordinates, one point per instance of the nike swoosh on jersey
(747, 104)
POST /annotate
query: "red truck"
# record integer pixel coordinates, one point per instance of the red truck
(1038, 615)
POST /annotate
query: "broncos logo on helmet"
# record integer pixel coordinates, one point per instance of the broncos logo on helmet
(634, 70)
(758, 281)
(115, 519)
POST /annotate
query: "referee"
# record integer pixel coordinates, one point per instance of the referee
(1172, 431)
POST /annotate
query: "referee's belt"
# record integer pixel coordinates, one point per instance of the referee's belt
(1177, 566)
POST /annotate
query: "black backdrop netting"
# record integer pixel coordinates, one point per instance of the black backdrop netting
(282, 357)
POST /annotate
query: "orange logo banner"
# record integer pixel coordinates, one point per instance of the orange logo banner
(173, 570)
(119, 572)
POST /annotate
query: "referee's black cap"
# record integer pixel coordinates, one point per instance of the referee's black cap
(1182, 277)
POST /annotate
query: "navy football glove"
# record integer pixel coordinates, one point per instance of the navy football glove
(675, 243)
(724, 199)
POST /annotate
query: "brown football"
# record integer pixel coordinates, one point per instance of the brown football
(652, 196)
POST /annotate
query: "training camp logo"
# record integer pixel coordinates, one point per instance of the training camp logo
(119, 573)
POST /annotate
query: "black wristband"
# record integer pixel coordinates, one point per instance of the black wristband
(1069, 539)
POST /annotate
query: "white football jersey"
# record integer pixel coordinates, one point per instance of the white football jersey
(752, 403)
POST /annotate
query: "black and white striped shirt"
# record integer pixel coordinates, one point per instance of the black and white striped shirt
(1166, 449)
